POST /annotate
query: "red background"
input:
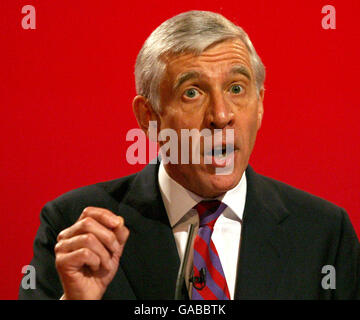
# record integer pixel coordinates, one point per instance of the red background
(66, 90)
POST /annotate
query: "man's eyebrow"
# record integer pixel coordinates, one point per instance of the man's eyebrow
(196, 75)
(242, 70)
(185, 77)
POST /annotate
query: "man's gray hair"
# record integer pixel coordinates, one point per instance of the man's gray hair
(188, 32)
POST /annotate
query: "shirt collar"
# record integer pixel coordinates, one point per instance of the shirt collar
(178, 201)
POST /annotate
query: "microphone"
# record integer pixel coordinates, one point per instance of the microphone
(199, 282)
(181, 274)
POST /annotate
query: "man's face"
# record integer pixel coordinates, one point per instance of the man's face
(215, 90)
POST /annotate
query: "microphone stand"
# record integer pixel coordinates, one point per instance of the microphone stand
(181, 274)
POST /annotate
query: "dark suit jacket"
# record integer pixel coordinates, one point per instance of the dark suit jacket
(287, 237)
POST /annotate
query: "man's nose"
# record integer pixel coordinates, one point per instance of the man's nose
(219, 114)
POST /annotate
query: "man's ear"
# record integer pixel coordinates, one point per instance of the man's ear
(260, 108)
(144, 113)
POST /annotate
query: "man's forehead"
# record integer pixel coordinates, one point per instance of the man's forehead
(230, 52)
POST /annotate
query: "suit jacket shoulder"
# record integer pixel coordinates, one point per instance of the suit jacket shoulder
(102, 194)
(300, 202)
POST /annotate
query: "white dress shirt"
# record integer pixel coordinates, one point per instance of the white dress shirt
(179, 203)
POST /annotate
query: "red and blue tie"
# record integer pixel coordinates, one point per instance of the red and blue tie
(206, 259)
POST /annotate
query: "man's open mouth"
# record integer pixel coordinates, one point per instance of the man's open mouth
(220, 156)
(221, 151)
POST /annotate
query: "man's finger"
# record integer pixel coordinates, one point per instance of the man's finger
(77, 259)
(103, 216)
(122, 234)
(89, 225)
(88, 241)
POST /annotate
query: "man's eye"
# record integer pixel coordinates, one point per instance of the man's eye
(191, 93)
(236, 89)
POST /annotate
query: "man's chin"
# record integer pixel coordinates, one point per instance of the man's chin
(217, 185)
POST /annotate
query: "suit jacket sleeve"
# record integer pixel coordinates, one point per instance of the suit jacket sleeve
(347, 262)
(48, 285)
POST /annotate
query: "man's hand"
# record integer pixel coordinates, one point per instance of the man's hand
(88, 253)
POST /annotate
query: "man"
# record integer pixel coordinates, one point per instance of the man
(262, 239)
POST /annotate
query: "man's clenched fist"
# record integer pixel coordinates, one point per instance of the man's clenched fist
(88, 253)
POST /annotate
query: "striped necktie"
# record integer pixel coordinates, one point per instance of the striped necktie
(209, 281)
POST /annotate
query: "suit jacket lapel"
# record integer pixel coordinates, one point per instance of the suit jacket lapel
(150, 259)
(265, 247)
